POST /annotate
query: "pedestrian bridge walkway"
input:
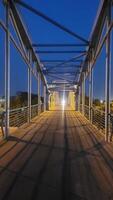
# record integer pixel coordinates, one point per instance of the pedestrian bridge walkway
(60, 155)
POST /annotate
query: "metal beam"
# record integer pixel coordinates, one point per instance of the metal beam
(25, 38)
(39, 106)
(79, 99)
(107, 80)
(96, 33)
(29, 86)
(56, 61)
(44, 95)
(61, 89)
(58, 77)
(17, 32)
(101, 44)
(83, 94)
(90, 90)
(63, 73)
(65, 67)
(57, 52)
(22, 53)
(98, 24)
(7, 71)
(72, 59)
(55, 23)
(62, 83)
(59, 45)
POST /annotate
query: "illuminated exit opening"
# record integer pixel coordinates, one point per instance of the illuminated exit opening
(63, 100)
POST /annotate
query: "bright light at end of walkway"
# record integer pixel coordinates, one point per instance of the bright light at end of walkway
(63, 103)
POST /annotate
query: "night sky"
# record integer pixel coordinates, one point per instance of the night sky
(77, 15)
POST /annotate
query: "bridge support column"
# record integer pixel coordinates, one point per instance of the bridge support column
(29, 87)
(83, 94)
(107, 81)
(39, 106)
(7, 72)
(90, 92)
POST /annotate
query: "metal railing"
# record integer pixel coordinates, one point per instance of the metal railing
(98, 118)
(111, 124)
(81, 108)
(19, 116)
(34, 110)
(86, 111)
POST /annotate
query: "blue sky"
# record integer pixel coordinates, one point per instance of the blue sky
(77, 15)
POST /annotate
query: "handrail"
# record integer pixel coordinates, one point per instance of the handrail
(98, 116)
(16, 109)
(19, 116)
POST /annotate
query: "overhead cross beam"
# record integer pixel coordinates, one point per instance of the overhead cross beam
(60, 83)
(55, 23)
(64, 66)
(63, 73)
(58, 77)
(59, 45)
(56, 61)
(72, 59)
(47, 52)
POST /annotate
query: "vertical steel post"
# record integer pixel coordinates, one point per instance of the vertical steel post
(44, 94)
(83, 94)
(90, 91)
(76, 100)
(7, 72)
(107, 81)
(39, 106)
(29, 87)
(79, 99)
(47, 100)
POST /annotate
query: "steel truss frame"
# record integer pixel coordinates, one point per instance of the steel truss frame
(96, 43)
(28, 55)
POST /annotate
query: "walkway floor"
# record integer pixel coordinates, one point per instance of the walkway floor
(60, 156)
